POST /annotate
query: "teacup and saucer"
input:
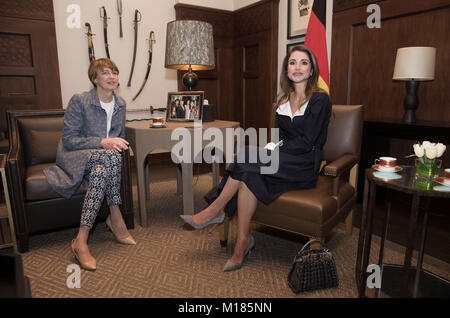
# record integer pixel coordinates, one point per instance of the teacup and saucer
(158, 122)
(445, 180)
(386, 164)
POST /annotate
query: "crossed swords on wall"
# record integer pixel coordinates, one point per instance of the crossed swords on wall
(137, 19)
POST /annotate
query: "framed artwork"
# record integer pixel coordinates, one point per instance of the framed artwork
(289, 46)
(299, 12)
(184, 106)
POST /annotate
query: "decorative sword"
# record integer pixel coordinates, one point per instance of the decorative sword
(137, 19)
(90, 43)
(119, 10)
(105, 29)
(149, 65)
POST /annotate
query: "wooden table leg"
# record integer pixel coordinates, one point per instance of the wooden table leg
(361, 239)
(385, 233)
(179, 180)
(422, 249)
(188, 191)
(410, 245)
(142, 196)
(368, 238)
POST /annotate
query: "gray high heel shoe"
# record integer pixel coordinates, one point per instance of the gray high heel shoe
(188, 219)
(230, 266)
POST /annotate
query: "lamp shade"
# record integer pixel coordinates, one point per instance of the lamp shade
(415, 63)
(189, 43)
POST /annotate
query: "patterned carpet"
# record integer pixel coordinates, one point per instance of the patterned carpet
(172, 261)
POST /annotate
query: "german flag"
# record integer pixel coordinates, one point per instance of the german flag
(316, 40)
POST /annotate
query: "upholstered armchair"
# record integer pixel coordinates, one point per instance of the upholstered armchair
(33, 139)
(315, 212)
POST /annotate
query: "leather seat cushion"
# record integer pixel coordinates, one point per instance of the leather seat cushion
(315, 205)
(37, 187)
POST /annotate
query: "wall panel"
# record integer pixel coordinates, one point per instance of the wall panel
(363, 59)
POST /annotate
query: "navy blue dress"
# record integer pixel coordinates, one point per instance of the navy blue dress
(300, 156)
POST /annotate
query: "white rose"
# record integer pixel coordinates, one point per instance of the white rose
(440, 149)
(418, 150)
(431, 152)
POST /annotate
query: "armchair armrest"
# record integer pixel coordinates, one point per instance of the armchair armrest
(15, 166)
(341, 165)
(337, 167)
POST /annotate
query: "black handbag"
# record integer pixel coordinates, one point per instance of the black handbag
(312, 270)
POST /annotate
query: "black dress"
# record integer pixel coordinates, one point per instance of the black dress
(300, 155)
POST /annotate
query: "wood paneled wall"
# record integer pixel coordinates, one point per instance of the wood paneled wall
(29, 71)
(362, 59)
(243, 85)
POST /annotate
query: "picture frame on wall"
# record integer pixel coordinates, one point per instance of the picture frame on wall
(289, 46)
(184, 106)
(299, 12)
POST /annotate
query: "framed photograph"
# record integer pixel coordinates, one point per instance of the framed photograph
(299, 12)
(289, 46)
(184, 106)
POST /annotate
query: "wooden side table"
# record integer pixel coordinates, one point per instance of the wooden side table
(397, 280)
(143, 140)
(6, 213)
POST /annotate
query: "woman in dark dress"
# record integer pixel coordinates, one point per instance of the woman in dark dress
(302, 116)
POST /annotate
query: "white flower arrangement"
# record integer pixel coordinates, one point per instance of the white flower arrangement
(428, 151)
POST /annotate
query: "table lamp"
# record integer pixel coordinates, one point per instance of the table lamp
(189, 46)
(413, 64)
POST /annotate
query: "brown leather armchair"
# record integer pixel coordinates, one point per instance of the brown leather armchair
(315, 212)
(33, 139)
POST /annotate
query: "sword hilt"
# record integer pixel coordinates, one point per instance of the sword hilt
(152, 40)
(152, 109)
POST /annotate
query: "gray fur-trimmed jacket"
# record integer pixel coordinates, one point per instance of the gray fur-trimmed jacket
(84, 128)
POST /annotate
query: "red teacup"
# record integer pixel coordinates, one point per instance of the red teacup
(447, 173)
(158, 121)
(386, 162)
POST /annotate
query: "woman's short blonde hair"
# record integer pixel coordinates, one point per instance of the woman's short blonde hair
(100, 65)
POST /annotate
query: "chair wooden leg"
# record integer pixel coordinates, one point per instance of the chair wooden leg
(349, 223)
(223, 231)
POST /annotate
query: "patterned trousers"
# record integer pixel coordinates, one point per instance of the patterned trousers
(103, 171)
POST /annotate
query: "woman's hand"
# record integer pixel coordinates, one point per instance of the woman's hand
(116, 143)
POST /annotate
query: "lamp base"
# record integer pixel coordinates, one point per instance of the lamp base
(411, 102)
(409, 117)
(190, 79)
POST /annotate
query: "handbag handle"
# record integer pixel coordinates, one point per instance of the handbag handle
(309, 242)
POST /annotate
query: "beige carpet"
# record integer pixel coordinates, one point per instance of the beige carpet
(170, 260)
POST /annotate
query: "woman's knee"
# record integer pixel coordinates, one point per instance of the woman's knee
(109, 158)
(98, 170)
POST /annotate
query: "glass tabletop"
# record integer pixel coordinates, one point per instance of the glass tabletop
(408, 181)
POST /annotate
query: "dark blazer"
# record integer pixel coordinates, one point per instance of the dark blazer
(84, 128)
(181, 111)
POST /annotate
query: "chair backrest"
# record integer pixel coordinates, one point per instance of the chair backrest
(344, 132)
(38, 132)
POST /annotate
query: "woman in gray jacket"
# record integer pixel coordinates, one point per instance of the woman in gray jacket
(90, 146)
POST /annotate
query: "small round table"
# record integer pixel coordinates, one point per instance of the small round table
(404, 181)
